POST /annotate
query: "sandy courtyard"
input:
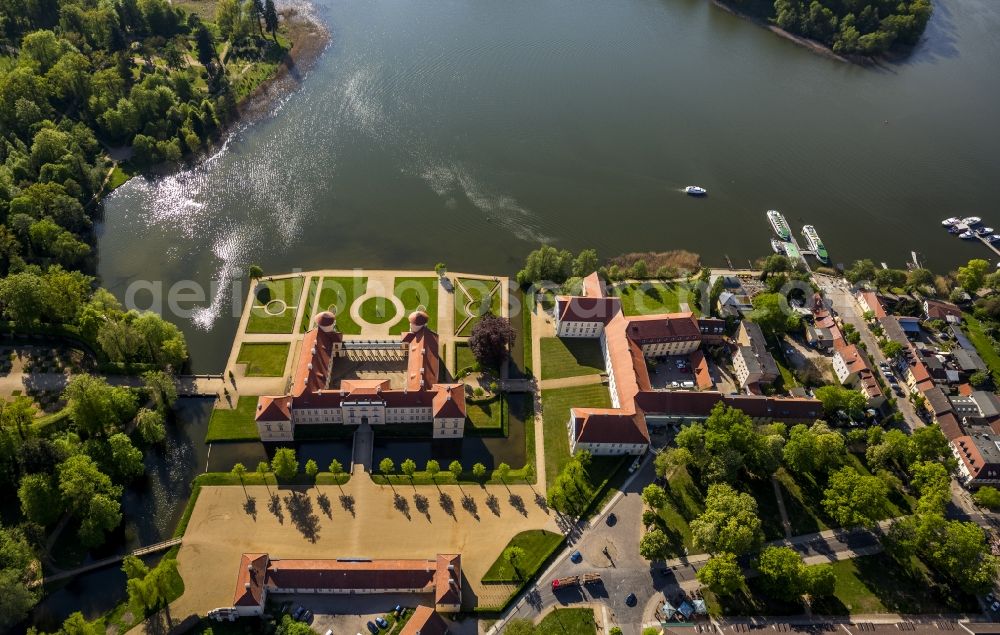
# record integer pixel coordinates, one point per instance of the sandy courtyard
(222, 527)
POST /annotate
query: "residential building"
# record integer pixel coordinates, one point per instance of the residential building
(752, 362)
(425, 621)
(852, 369)
(978, 455)
(870, 302)
(260, 576)
(312, 400)
(586, 315)
(940, 310)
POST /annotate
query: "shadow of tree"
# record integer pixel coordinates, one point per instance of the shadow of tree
(250, 507)
(493, 503)
(301, 512)
(274, 506)
(423, 507)
(541, 502)
(447, 504)
(469, 505)
(347, 502)
(518, 503)
(403, 505)
(324, 504)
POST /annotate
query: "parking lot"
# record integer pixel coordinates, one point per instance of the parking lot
(672, 373)
(348, 614)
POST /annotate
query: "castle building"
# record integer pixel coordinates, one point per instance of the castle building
(312, 400)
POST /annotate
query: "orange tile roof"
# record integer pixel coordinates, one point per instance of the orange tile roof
(593, 286)
(581, 309)
(702, 374)
(424, 621)
(448, 579)
(250, 579)
(273, 409)
(449, 401)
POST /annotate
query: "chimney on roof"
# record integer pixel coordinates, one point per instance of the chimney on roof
(310, 366)
(247, 586)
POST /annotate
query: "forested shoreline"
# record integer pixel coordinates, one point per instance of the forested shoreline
(857, 29)
(92, 91)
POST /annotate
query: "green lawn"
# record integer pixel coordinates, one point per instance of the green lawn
(684, 503)
(487, 416)
(653, 297)
(377, 310)
(538, 545)
(526, 311)
(463, 357)
(337, 295)
(570, 357)
(803, 503)
(984, 345)
(275, 305)
(118, 178)
(879, 584)
(414, 293)
(555, 408)
(567, 621)
(310, 300)
(477, 291)
(264, 359)
(234, 425)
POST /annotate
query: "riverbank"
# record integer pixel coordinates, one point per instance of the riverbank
(812, 45)
(309, 39)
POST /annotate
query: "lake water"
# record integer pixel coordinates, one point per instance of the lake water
(469, 132)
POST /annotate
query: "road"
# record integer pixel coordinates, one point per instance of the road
(624, 571)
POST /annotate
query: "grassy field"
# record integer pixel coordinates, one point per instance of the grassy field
(879, 584)
(119, 177)
(653, 297)
(984, 345)
(377, 310)
(486, 296)
(264, 359)
(413, 293)
(487, 416)
(310, 301)
(463, 357)
(570, 357)
(275, 292)
(555, 408)
(684, 503)
(337, 295)
(565, 621)
(803, 504)
(234, 425)
(538, 545)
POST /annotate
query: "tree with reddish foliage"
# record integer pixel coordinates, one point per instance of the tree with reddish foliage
(491, 340)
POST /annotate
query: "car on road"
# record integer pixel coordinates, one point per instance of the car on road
(372, 628)
(995, 607)
(297, 613)
(612, 519)
(381, 622)
(576, 557)
(630, 599)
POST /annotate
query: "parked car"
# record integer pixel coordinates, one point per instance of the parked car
(397, 611)
(381, 622)
(635, 464)
(612, 519)
(297, 613)
(307, 616)
(372, 628)
(630, 599)
(576, 557)
(995, 607)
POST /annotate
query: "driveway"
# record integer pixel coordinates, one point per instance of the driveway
(349, 613)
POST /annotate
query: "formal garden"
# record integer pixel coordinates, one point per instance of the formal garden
(264, 359)
(475, 298)
(276, 303)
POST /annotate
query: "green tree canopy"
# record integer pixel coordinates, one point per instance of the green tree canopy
(729, 524)
(854, 499)
(284, 464)
(722, 574)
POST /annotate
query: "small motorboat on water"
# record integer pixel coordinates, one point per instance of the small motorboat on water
(777, 246)
(694, 190)
(948, 222)
(971, 220)
(954, 229)
(993, 238)
(967, 235)
(984, 231)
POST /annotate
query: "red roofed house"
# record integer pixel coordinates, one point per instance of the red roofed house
(260, 576)
(586, 315)
(313, 400)
(425, 621)
(626, 342)
(940, 310)
(869, 301)
(852, 368)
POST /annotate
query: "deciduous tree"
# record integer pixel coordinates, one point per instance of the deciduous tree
(722, 574)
